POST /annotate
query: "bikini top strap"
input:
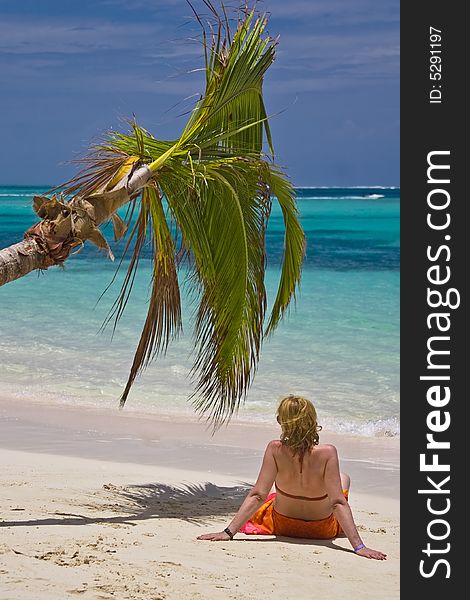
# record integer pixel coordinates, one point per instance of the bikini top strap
(299, 497)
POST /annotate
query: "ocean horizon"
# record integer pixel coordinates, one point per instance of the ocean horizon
(338, 346)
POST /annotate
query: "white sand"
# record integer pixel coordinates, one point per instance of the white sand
(108, 506)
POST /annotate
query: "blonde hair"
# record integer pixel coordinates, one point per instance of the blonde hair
(298, 418)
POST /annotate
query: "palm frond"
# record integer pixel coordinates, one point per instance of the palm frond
(294, 245)
(217, 185)
(163, 321)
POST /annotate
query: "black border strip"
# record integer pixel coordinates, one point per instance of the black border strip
(433, 121)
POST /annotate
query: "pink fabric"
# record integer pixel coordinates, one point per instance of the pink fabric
(261, 522)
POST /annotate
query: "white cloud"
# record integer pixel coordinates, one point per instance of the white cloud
(67, 38)
(341, 12)
(329, 57)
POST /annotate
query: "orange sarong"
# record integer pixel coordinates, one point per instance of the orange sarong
(266, 521)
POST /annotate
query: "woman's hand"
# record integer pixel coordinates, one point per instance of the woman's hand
(220, 536)
(369, 553)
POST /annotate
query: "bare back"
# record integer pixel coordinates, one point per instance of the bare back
(307, 481)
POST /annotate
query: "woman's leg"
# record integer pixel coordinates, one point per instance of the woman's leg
(345, 481)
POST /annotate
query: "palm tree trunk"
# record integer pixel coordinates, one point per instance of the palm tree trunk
(20, 259)
(65, 226)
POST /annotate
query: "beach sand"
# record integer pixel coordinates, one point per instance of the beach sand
(108, 505)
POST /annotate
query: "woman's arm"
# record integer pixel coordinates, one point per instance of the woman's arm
(254, 499)
(341, 508)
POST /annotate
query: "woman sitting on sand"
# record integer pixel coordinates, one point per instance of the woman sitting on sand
(311, 494)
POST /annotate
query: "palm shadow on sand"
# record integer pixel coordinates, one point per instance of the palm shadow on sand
(193, 503)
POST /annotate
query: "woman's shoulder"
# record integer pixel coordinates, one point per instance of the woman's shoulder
(327, 449)
(274, 446)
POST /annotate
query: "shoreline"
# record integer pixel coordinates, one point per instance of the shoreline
(386, 427)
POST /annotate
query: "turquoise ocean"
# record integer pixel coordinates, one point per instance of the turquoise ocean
(339, 344)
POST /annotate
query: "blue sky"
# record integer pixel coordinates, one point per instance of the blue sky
(71, 69)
